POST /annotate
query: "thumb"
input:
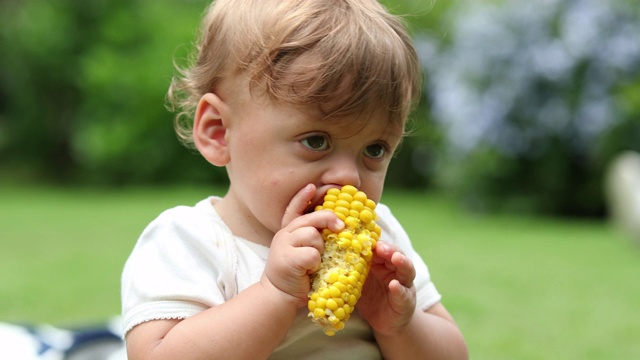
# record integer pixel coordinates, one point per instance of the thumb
(298, 204)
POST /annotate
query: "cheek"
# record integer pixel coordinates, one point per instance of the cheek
(283, 185)
(374, 189)
(285, 176)
(279, 186)
(274, 183)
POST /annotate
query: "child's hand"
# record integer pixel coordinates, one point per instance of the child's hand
(296, 249)
(389, 297)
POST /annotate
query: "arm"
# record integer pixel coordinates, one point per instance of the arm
(432, 333)
(260, 313)
(388, 303)
(253, 323)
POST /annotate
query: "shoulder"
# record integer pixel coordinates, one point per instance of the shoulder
(201, 212)
(383, 211)
(186, 223)
(392, 230)
(183, 235)
(182, 263)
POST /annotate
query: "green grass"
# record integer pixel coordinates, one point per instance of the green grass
(519, 287)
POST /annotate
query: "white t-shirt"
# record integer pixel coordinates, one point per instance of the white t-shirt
(187, 260)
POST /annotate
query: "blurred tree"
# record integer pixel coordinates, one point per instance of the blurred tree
(535, 99)
(83, 86)
(41, 41)
(127, 134)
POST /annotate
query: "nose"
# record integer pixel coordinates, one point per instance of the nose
(342, 170)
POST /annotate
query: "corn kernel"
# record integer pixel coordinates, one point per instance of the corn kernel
(360, 196)
(343, 279)
(325, 293)
(352, 222)
(344, 243)
(335, 291)
(344, 211)
(329, 197)
(353, 280)
(333, 277)
(349, 189)
(321, 303)
(366, 216)
(357, 205)
(328, 205)
(347, 308)
(332, 304)
(370, 204)
(342, 287)
(356, 246)
(343, 203)
(346, 197)
(318, 312)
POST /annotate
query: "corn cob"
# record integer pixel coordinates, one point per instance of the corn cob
(336, 286)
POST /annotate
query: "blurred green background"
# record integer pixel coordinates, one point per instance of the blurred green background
(501, 183)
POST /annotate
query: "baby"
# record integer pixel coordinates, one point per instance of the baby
(293, 98)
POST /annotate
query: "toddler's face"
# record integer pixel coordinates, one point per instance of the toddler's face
(276, 150)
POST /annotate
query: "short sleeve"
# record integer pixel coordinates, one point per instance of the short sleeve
(393, 232)
(181, 265)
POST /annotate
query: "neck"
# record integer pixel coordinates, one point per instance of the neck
(241, 222)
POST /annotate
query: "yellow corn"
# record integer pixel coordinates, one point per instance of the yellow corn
(336, 286)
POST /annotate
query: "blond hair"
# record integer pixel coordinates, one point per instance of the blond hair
(344, 56)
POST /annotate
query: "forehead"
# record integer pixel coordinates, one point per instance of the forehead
(242, 91)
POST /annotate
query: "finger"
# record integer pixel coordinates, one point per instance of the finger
(405, 271)
(307, 237)
(385, 251)
(401, 296)
(383, 254)
(325, 219)
(307, 259)
(298, 204)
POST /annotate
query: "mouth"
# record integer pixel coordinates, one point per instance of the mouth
(318, 199)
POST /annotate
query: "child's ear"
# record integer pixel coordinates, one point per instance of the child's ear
(210, 130)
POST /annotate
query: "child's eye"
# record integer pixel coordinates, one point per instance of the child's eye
(375, 151)
(316, 142)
